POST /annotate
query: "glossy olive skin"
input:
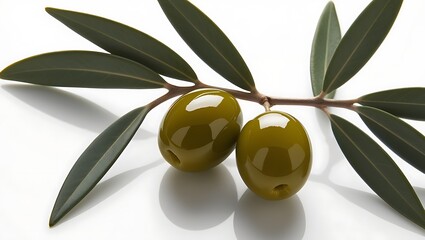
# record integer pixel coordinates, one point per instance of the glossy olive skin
(200, 130)
(273, 155)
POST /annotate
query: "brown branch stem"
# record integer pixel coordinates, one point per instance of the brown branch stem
(255, 96)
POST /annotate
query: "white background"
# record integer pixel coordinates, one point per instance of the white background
(43, 131)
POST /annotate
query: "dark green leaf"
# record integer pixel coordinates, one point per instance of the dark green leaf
(325, 41)
(402, 138)
(82, 69)
(378, 170)
(127, 42)
(95, 161)
(360, 42)
(208, 42)
(402, 102)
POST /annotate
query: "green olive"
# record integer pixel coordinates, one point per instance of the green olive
(273, 155)
(200, 129)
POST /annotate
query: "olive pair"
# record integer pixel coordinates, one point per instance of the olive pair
(202, 128)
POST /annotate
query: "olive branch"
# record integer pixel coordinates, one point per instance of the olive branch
(137, 61)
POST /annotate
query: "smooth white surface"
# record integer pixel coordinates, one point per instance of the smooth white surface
(44, 130)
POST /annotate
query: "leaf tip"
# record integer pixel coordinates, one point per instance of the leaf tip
(57, 214)
(53, 11)
(4, 73)
(53, 220)
(49, 10)
(330, 4)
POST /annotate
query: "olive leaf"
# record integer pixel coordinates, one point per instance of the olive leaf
(378, 170)
(95, 161)
(82, 69)
(360, 42)
(127, 42)
(402, 102)
(402, 138)
(207, 40)
(325, 42)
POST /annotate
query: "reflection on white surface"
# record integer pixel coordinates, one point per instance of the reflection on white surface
(197, 201)
(256, 218)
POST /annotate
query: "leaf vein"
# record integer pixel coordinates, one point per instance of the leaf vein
(393, 133)
(86, 70)
(101, 159)
(132, 47)
(373, 165)
(211, 44)
(356, 47)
